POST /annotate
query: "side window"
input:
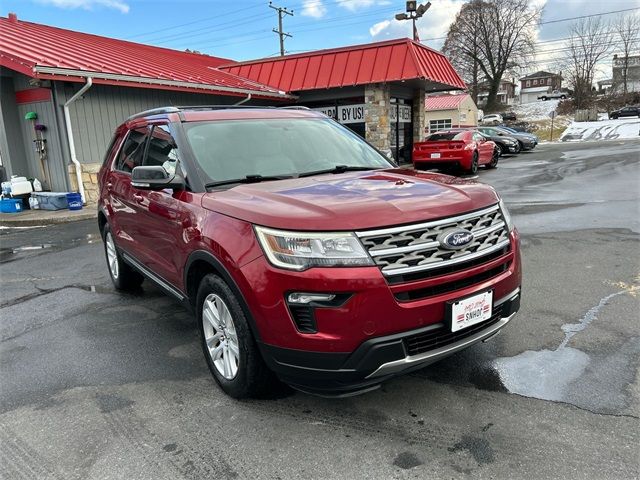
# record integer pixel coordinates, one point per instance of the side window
(477, 137)
(132, 150)
(162, 150)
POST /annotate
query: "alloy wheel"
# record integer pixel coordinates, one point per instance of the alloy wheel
(220, 336)
(112, 256)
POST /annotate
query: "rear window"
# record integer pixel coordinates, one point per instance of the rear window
(438, 137)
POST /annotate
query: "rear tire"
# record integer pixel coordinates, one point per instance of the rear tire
(227, 342)
(473, 169)
(500, 150)
(123, 276)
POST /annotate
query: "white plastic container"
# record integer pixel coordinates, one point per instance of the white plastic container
(37, 186)
(20, 186)
(6, 188)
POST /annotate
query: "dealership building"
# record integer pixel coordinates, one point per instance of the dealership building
(63, 93)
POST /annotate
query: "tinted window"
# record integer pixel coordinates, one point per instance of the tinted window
(478, 137)
(233, 149)
(162, 150)
(437, 137)
(132, 150)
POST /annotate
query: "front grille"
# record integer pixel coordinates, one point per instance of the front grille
(447, 287)
(415, 250)
(441, 336)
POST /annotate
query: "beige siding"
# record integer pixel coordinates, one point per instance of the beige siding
(467, 108)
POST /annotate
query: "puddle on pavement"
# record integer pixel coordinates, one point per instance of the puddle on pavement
(14, 253)
(596, 381)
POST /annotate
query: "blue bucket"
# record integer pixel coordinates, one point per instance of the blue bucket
(10, 205)
(75, 201)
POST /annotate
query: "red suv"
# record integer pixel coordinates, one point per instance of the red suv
(304, 252)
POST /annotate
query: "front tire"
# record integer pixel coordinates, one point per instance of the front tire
(122, 275)
(227, 342)
(494, 160)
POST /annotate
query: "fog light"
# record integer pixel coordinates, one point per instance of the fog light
(306, 298)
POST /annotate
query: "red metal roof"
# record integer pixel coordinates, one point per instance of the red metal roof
(389, 61)
(444, 102)
(42, 51)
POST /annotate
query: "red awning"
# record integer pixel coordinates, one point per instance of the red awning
(46, 52)
(389, 61)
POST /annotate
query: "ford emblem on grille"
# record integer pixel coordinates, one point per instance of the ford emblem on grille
(456, 239)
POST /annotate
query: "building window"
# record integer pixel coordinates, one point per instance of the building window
(535, 81)
(549, 81)
(528, 83)
(463, 117)
(435, 125)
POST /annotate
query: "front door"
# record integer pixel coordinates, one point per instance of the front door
(162, 215)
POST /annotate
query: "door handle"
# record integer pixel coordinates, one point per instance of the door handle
(138, 198)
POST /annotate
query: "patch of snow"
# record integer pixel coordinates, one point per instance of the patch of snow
(602, 130)
(538, 110)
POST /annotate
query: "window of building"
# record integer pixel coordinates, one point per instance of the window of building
(132, 150)
(549, 81)
(162, 150)
(528, 83)
(463, 117)
(535, 81)
(435, 125)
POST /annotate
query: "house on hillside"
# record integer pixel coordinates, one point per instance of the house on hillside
(450, 111)
(535, 84)
(506, 92)
(633, 73)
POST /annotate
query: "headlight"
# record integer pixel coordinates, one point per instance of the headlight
(302, 250)
(506, 215)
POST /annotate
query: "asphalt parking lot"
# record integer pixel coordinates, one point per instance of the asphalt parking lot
(97, 384)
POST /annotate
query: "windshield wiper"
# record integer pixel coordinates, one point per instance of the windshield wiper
(248, 179)
(338, 169)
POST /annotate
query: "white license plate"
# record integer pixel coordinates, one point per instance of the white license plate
(471, 310)
(435, 155)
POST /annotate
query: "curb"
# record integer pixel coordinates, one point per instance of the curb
(37, 218)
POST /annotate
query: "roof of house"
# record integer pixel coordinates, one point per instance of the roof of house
(46, 52)
(444, 102)
(388, 61)
(538, 74)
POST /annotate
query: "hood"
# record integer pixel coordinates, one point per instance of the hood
(351, 201)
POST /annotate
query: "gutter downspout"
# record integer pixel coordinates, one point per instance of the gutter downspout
(244, 100)
(72, 145)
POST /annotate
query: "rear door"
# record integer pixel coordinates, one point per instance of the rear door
(163, 216)
(119, 190)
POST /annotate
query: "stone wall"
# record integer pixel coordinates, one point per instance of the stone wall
(89, 181)
(377, 100)
(419, 117)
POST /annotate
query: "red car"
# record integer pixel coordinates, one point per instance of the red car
(302, 250)
(455, 150)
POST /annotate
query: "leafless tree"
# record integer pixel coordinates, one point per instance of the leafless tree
(490, 38)
(590, 41)
(627, 31)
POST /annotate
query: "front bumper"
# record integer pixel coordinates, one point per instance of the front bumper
(379, 359)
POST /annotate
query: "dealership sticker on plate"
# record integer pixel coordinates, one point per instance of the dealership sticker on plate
(435, 155)
(471, 310)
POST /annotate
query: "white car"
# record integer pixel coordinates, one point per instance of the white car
(493, 119)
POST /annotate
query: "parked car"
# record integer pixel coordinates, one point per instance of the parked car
(506, 144)
(305, 253)
(455, 150)
(509, 116)
(629, 111)
(554, 94)
(526, 141)
(493, 119)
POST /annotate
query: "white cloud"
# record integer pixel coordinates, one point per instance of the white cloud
(313, 8)
(354, 5)
(379, 27)
(119, 5)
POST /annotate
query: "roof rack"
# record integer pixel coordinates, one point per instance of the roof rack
(154, 111)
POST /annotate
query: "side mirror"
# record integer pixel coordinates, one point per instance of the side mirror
(155, 178)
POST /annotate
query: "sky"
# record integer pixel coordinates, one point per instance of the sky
(242, 29)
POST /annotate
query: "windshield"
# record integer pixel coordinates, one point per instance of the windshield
(234, 149)
(437, 137)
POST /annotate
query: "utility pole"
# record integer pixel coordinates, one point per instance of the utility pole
(281, 12)
(414, 12)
